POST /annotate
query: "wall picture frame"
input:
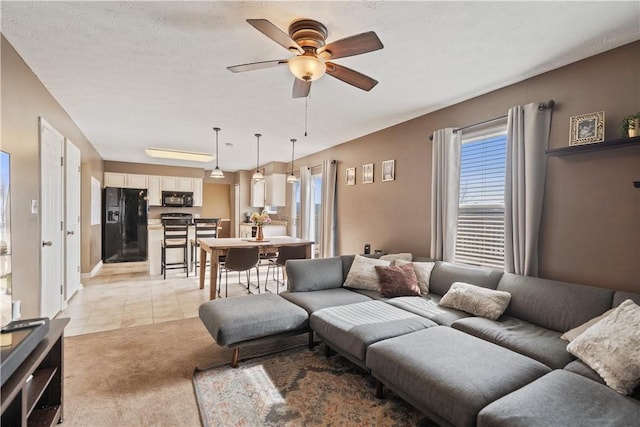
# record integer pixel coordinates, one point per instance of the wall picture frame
(351, 176)
(586, 128)
(388, 170)
(367, 173)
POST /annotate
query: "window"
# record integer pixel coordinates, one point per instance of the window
(480, 234)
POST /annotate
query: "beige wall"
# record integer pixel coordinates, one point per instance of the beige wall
(591, 219)
(215, 201)
(24, 100)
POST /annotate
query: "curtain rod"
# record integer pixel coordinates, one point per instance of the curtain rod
(541, 107)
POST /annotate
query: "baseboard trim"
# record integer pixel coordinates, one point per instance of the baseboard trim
(93, 272)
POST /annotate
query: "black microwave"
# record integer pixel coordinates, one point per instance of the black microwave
(177, 199)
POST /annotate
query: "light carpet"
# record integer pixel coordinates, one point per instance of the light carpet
(141, 376)
(296, 387)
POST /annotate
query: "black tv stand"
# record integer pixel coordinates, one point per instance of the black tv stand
(33, 395)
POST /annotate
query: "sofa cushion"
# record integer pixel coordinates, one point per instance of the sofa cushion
(397, 281)
(444, 274)
(476, 300)
(449, 375)
(423, 273)
(352, 328)
(572, 334)
(561, 398)
(554, 305)
(428, 306)
(581, 368)
(611, 347)
(518, 335)
(620, 296)
(314, 274)
(317, 300)
(362, 274)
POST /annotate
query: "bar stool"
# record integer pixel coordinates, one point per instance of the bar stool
(205, 228)
(284, 253)
(175, 233)
(241, 259)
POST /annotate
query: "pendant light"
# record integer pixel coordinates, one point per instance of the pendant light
(291, 179)
(258, 176)
(216, 173)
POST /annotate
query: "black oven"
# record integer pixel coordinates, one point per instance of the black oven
(177, 199)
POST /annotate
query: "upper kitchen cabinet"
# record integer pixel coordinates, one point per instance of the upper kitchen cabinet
(258, 191)
(125, 180)
(155, 190)
(276, 186)
(197, 192)
(176, 183)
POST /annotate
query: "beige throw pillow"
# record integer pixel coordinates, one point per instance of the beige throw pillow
(476, 300)
(404, 256)
(571, 334)
(423, 273)
(362, 274)
(611, 347)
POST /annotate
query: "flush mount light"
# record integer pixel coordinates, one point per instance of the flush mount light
(164, 153)
(217, 173)
(257, 176)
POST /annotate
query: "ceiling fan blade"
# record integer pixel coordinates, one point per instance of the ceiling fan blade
(353, 45)
(256, 65)
(350, 76)
(275, 34)
(301, 88)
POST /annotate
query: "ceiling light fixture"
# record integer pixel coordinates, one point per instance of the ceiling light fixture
(258, 176)
(163, 153)
(216, 173)
(291, 179)
(307, 67)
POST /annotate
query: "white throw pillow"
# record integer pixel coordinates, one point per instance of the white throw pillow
(362, 274)
(404, 256)
(423, 273)
(611, 347)
(476, 300)
(572, 334)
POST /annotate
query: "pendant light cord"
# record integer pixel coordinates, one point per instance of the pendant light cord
(217, 130)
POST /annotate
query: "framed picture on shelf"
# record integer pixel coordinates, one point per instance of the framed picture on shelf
(388, 170)
(367, 173)
(586, 128)
(351, 176)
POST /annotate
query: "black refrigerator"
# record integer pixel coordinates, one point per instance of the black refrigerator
(124, 225)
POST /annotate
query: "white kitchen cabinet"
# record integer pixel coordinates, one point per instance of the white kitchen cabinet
(258, 192)
(176, 183)
(118, 180)
(276, 187)
(197, 191)
(136, 181)
(246, 231)
(155, 193)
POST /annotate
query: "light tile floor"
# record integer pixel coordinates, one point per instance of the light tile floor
(124, 295)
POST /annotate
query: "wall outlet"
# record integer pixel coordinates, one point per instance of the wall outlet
(35, 206)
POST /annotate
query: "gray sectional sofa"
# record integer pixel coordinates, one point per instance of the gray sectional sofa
(463, 370)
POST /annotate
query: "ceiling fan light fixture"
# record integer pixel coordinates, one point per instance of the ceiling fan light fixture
(307, 67)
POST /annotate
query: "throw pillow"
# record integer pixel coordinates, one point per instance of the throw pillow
(423, 273)
(476, 300)
(362, 274)
(611, 347)
(405, 256)
(571, 334)
(397, 281)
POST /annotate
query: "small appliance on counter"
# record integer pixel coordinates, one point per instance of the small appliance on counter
(124, 225)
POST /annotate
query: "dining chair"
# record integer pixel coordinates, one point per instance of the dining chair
(284, 253)
(240, 259)
(205, 228)
(175, 236)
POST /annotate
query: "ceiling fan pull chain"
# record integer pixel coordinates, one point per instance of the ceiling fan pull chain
(306, 114)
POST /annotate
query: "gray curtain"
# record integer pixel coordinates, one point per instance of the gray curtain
(527, 139)
(306, 208)
(328, 218)
(445, 189)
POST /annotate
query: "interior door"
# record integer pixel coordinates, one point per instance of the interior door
(72, 219)
(51, 220)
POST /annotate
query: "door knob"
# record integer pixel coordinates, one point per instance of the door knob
(69, 233)
(47, 243)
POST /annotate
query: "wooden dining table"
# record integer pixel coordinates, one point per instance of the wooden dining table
(216, 247)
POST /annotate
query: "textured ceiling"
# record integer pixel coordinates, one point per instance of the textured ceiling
(153, 74)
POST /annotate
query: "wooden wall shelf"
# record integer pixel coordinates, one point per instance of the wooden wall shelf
(599, 146)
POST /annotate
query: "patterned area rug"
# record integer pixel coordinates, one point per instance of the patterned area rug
(297, 387)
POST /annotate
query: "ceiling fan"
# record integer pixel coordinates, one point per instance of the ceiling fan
(313, 57)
